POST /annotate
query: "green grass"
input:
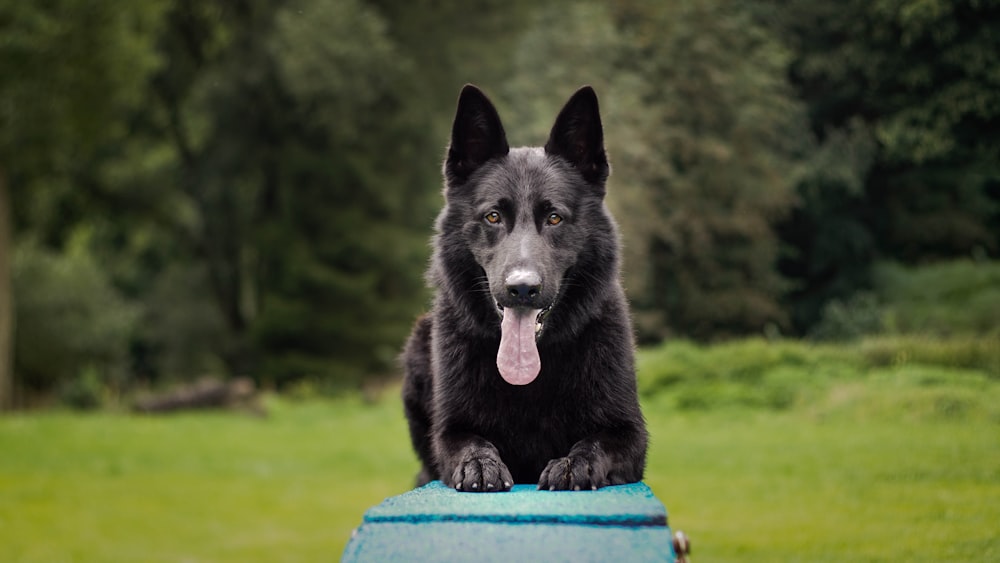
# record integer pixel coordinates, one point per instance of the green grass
(781, 487)
(761, 452)
(199, 487)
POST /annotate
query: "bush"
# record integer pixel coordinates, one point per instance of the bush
(967, 352)
(747, 373)
(67, 315)
(746, 362)
(960, 297)
(84, 392)
(849, 319)
(948, 298)
(899, 375)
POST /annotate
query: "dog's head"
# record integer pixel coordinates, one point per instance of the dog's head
(526, 214)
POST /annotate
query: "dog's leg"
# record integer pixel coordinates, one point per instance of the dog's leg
(607, 458)
(418, 393)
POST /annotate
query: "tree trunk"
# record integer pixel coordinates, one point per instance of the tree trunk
(6, 298)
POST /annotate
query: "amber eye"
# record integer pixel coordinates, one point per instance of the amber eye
(554, 219)
(492, 217)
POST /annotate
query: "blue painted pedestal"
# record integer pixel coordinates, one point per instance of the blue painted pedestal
(435, 523)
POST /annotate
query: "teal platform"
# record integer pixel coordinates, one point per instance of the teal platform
(436, 523)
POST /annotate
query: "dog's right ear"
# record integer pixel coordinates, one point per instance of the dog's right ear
(476, 136)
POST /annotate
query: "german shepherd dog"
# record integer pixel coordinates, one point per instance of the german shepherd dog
(523, 371)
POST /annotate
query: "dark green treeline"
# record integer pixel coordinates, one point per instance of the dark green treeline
(247, 187)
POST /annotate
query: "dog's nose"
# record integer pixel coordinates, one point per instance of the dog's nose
(523, 285)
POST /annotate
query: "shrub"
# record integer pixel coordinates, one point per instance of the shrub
(84, 392)
(739, 361)
(913, 376)
(849, 319)
(967, 352)
(948, 298)
(67, 315)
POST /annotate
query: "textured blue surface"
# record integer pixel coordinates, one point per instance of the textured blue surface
(483, 542)
(436, 523)
(623, 505)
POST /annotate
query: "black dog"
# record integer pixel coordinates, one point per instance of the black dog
(524, 372)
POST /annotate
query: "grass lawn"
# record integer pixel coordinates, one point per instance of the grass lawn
(814, 482)
(198, 487)
(779, 487)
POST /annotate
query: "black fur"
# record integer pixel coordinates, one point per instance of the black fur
(577, 425)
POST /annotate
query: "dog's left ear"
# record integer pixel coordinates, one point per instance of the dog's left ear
(578, 137)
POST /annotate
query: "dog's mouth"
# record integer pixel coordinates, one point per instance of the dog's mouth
(539, 317)
(517, 357)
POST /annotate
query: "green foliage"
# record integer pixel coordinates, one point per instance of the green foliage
(902, 98)
(921, 76)
(320, 67)
(281, 232)
(958, 297)
(747, 373)
(341, 283)
(944, 299)
(731, 132)
(68, 315)
(259, 178)
(893, 374)
(828, 248)
(181, 330)
(980, 353)
(66, 68)
(84, 392)
(849, 319)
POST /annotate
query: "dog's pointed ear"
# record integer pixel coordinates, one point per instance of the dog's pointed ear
(476, 136)
(578, 137)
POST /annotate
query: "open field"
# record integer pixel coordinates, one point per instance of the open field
(884, 465)
(199, 487)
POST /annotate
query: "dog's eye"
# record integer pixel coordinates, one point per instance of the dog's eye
(554, 219)
(492, 217)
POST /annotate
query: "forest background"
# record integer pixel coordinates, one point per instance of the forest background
(247, 187)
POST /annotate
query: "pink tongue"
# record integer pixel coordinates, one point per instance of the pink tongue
(518, 359)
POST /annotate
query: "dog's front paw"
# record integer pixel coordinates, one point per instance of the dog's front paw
(481, 474)
(573, 473)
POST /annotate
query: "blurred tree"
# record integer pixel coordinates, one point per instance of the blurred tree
(922, 76)
(704, 147)
(67, 70)
(734, 136)
(6, 299)
(274, 169)
(70, 318)
(904, 98)
(260, 175)
(829, 249)
(343, 282)
(450, 43)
